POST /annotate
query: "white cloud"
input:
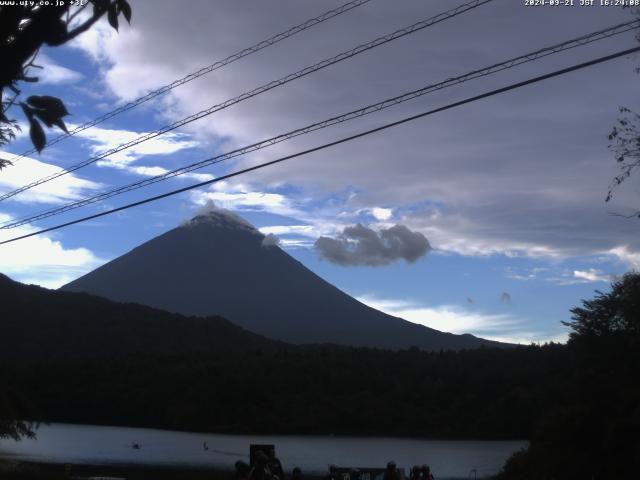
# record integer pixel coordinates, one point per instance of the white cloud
(591, 275)
(241, 199)
(453, 319)
(382, 214)
(26, 170)
(576, 277)
(303, 230)
(103, 139)
(627, 255)
(524, 274)
(54, 74)
(41, 259)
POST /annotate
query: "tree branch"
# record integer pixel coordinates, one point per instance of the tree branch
(85, 26)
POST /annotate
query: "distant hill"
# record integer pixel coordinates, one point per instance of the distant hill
(41, 324)
(216, 264)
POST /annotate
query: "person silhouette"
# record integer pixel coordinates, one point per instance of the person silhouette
(391, 473)
(426, 473)
(274, 465)
(260, 469)
(415, 473)
(243, 471)
(296, 474)
(333, 473)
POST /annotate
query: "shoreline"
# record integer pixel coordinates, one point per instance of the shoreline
(445, 438)
(26, 470)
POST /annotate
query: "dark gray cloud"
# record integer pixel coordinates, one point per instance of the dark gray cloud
(359, 245)
(524, 172)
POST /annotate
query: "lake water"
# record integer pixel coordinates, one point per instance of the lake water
(62, 443)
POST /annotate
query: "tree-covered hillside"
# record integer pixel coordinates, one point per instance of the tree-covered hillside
(579, 403)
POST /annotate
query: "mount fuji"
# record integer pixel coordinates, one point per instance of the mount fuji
(219, 264)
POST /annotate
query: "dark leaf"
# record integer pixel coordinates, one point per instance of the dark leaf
(99, 6)
(52, 105)
(45, 117)
(4, 163)
(56, 32)
(28, 111)
(3, 118)
(112, 16)
(60, 124)
(125, 8)
(38, 138)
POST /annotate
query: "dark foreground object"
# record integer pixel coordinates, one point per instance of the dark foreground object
(12, 470)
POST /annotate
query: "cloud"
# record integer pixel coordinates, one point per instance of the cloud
(210, 212)
(270, 241)
(505, 298)
(54, 74)
(243, 197)
(41, 259)
(626, 254)
(382, 214)
(576, 277)
(359, 245)
(591, 275)
(102, 139)
(524, 274)
(26, 170)
(497, 188)
(453, 319)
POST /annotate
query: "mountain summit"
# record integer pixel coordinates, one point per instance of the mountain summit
(219, 264)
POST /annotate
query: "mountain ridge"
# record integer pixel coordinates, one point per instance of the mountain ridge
(42, 324)
(216, 264)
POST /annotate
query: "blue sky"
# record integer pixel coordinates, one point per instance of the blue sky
(509, 192)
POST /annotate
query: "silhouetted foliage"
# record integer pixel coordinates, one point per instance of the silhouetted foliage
(595, 431)
(625, 145)
(609, 314)
(625, 141)
(89, 360)
(86, 359)
(24, 29)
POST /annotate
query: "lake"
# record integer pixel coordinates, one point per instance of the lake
(86, 444)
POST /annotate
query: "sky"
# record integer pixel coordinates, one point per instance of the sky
(488, 218)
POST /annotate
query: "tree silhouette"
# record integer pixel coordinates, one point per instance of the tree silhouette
(24, 29)
(625, 145)
(592, 430)
(625, 141)
(613, 313)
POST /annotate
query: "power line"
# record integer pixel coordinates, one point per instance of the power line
(257, 91)
(529, 57)
(336, 142)
(205, 70)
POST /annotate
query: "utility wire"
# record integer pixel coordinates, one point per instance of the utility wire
(529, 57)
(257, 91)
(336, 142)
(205, 70)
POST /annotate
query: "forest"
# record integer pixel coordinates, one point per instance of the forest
(578, 404)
